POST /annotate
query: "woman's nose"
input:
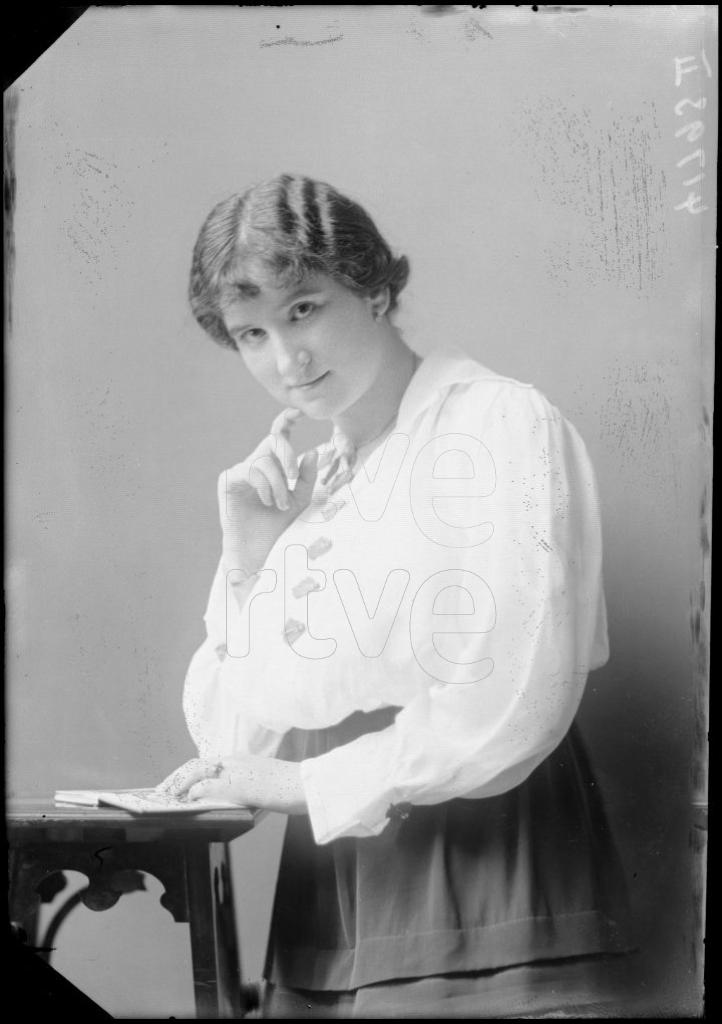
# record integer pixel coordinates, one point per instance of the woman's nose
(292, 362)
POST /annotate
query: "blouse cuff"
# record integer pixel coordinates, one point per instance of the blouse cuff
(346, 792)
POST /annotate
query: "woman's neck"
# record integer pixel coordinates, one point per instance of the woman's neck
(371, 417)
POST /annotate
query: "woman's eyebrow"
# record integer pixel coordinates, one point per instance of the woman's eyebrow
(306, 290)
(237, 328)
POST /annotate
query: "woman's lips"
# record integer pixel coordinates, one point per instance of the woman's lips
(312, 383)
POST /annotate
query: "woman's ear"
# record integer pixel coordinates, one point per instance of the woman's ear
(380, 302)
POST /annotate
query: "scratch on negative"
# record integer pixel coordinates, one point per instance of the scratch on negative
(608, 173)
(290, 41)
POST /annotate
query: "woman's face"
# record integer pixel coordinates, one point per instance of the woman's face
(315, 346)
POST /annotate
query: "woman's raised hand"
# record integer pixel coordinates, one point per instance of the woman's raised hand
(255, 499)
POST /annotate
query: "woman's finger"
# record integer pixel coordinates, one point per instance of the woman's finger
(174, 781)
(278, 478)
(286, 455)
(280, 436)
(212, 789)
(284, 421)
(231, 484)
(183, 778)
(306, 478)
(259, 482)
(203, 790)
(270, 468)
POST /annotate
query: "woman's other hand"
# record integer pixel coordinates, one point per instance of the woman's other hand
(248, 781)
(255, 499)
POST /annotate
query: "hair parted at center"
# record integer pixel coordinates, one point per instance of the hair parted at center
(285, 229)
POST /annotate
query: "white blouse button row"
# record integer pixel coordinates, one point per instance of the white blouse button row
(293, 629)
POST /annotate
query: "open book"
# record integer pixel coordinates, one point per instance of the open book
(139, 801)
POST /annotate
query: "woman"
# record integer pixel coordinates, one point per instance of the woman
(398, 637)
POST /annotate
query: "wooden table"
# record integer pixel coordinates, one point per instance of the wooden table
(187, 853)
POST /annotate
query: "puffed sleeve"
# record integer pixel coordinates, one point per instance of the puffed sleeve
(542, 566)
(219, 720)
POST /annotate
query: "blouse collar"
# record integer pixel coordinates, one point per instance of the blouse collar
(440, 370)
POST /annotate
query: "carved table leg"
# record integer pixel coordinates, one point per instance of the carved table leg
(203, 939)
(24, 899)
(197, 882)
(214, 947)
(228, 959)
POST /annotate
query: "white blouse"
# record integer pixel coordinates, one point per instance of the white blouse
(458, 575)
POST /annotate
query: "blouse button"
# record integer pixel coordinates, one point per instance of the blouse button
(293, 630)
(319, 547)
(306, 586)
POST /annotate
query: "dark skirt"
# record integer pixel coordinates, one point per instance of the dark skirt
(462, 886)
(594, 986)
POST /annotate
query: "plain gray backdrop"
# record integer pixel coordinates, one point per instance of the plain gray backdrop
(528, 165)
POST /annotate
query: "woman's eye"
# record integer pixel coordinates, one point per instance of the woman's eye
(303, 310)
(252, 335)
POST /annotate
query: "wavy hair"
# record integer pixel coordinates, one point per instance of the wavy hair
(285, 229)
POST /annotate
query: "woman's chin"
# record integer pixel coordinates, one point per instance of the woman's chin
(319, 408)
